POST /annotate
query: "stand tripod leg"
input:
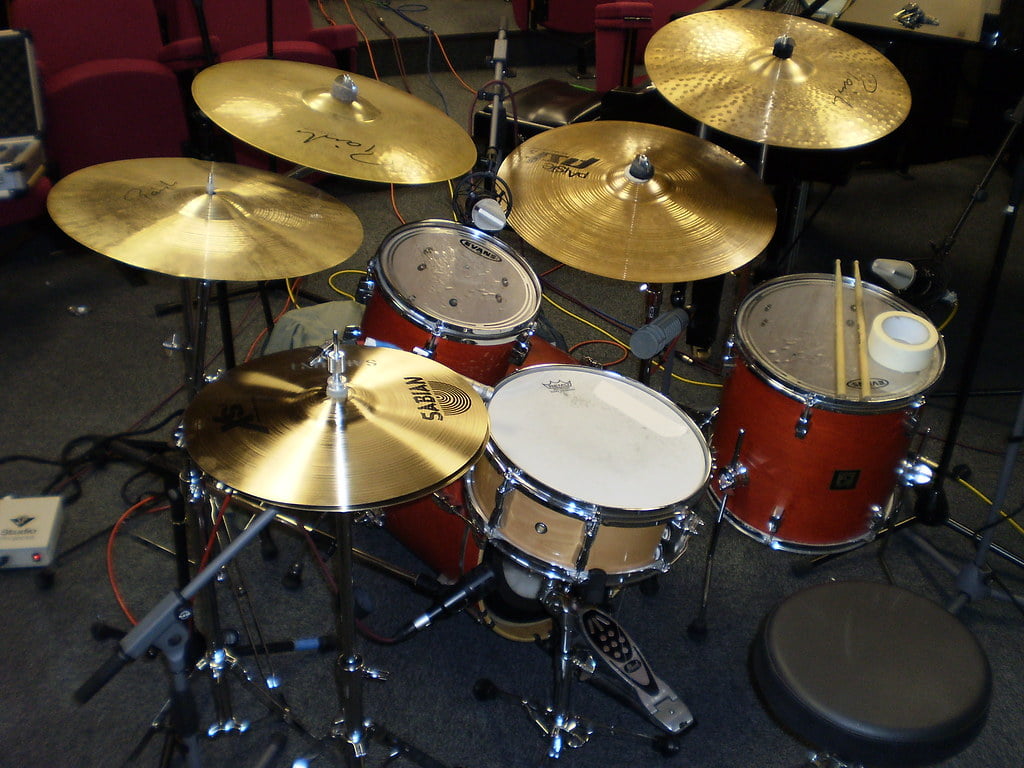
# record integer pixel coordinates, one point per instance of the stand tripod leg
(731, 475)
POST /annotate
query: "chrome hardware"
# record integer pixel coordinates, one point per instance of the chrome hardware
(728, 360)
(912, 471)
(365, 291)
(803, 424)
(775, 521)
(877, 518)
(733, 475)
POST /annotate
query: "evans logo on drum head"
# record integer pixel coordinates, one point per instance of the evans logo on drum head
(479, 250)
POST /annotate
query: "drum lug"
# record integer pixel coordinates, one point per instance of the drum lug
(728, 359)
(878, 518)
(427, 350)
(521, 348)
(507, 483)
(803, 424)
(913, 415)
(366, 288)
(775, 521)
(913, 471)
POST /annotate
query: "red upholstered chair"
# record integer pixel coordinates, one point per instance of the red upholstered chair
(239, 29)
(108, 87)
(620, 32)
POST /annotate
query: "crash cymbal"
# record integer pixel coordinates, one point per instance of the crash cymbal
(298, 112)
(400, 426)
(210, 221)
(580, 198)
(734, 71)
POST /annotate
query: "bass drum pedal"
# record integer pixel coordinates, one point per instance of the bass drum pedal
(613, 645)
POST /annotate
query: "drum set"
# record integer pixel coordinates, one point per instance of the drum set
(539, 487)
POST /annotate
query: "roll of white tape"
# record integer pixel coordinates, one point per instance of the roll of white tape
(902, 341)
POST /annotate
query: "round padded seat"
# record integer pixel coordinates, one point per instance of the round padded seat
(872, 674)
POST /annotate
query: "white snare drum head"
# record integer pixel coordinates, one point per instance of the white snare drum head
(598, 438)
(785, 329)
(458, 276)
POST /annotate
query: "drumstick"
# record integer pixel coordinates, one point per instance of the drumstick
(862, 333)
(840, 335)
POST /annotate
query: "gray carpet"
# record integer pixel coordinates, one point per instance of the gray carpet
(83, 355)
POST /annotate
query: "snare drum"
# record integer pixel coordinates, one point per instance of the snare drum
(456, 294)
(821, 467)
(586, 470)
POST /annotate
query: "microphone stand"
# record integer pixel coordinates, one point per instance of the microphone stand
(932, 505)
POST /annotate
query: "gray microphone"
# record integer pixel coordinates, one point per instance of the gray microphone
(648, 340)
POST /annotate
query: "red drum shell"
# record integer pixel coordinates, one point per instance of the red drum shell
(829, 484)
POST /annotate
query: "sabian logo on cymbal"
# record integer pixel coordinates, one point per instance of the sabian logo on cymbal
(559, 386)
(479, 249)
(556, 162)
(437, 399)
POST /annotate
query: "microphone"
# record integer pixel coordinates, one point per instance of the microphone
(919, 285)
(648, 340)
(470, 587)
(482, 200)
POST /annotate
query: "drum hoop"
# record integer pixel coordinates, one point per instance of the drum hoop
(434, 326)
(795, 548)
(825, 402)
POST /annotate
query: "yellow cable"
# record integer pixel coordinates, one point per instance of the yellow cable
(1013, 523)
(952, 314)
(602, 331)
(336, 289)
(291, 294)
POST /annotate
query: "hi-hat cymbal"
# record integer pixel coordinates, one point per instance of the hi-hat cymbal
(580, 198)
(777, 79)
(363, 130)
(403, 426)
(204, 220)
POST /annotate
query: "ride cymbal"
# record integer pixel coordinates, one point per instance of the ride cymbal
(398, 427)
(777, 79)
(638, 202)
(199, 219)
(360, 128)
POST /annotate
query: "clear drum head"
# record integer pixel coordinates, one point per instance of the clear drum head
(450, 277)
(786, 332)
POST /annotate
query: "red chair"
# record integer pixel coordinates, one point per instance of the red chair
(239, 31)
(108, 86)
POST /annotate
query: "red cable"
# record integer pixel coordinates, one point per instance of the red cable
(111, 575)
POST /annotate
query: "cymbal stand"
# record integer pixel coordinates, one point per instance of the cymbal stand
(352, 730)
(731, 475)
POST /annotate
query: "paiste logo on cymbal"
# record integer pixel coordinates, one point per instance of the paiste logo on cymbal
(560, 162)
(437, 399)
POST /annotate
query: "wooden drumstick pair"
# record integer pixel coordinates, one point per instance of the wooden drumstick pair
(862, 333)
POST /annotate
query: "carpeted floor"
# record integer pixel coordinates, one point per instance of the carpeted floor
(86, 352)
